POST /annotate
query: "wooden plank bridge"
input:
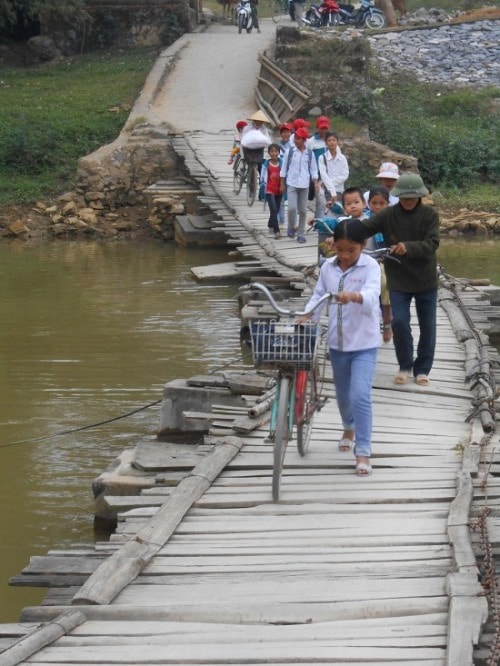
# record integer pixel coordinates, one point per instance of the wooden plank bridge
(341, 570)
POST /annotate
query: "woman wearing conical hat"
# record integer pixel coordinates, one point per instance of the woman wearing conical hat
(258, 121)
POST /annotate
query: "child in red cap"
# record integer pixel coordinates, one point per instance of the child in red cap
(317, 143)
(240, 126)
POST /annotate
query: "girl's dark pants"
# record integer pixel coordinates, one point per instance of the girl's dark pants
(274, 203)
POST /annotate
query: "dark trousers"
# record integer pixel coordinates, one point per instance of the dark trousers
(274, 203)
(425, 304)
(255, 18)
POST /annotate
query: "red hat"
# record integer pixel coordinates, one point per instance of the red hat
(300, 122)
(302, 133)
(240, 124)
(323, 122)
(286, 126)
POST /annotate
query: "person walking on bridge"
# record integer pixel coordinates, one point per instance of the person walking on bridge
(298, 168)
(411, 230)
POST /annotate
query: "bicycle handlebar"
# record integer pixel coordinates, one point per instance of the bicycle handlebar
(381, 253)
(290, 313)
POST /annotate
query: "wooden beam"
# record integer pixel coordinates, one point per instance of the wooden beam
(128, 562)
(26, 646)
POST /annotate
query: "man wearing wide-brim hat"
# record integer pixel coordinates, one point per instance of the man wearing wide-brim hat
(411, 230)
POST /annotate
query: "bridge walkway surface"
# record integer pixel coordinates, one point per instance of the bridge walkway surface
(342, 570)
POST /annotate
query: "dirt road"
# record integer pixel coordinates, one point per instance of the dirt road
(212, 84)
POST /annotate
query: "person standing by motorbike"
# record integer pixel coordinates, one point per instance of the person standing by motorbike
(298, 11)
(255, 18)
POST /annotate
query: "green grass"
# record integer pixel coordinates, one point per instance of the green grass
(453, 133)
(477, 196)
(53, 114)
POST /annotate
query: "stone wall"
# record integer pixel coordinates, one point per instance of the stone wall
(364, 154)
(121, 171)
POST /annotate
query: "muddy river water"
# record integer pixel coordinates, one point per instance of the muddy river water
(91, 331)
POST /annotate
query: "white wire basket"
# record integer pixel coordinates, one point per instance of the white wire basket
(276, 342)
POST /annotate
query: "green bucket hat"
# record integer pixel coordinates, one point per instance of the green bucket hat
(409, 186)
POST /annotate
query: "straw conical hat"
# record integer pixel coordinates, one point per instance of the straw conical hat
(260, 115)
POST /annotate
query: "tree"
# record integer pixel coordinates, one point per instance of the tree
(20, 19)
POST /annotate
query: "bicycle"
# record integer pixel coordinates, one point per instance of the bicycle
(240, 173)
(381, 254)
(291, 349)
(252, 157)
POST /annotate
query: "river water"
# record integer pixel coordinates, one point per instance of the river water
(92, 331)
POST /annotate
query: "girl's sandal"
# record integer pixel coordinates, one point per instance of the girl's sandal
(346, 444)
(422, 380)
(402, 377)
(363, 469)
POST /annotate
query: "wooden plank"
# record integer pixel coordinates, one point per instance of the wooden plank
(296, 613)
(316, 651)
(124, 565)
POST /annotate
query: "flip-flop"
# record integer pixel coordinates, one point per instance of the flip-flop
(402, 377)
(362, 469)
(346, 445)
(422, 380)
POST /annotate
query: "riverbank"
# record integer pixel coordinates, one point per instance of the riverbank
(73, 217)
(46, 222)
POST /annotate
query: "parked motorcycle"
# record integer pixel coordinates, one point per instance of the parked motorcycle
(329, 13)
(243, 14)
(326, 14)
(366, 16)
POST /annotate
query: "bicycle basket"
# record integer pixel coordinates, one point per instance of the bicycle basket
(276, 342)
(255, 155)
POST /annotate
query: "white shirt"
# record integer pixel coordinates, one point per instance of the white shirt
(335, 172)
(353, 326)
(298, 167)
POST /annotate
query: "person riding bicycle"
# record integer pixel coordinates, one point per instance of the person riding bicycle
(255, 137)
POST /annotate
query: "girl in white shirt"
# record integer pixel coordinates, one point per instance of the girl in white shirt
(353, 334)
(333, 172)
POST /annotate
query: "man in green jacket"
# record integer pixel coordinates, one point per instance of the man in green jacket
(411, 230)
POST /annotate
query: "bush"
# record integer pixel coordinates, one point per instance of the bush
(453, 134)
(19, 19)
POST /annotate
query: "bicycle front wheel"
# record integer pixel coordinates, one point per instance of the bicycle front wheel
(281, 434)
(237, 171)
(252, 183)
(306, 401)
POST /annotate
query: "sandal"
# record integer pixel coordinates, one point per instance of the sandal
(346, 444)
(402, 377)
(422, 380)
(363, 469)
